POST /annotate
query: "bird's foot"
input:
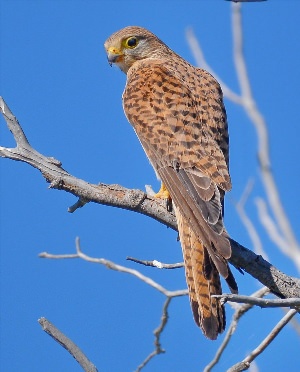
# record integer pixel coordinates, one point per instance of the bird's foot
(163, 193)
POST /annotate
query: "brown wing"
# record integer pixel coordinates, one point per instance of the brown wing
(188, 125)
(184, 134)
(177, 132)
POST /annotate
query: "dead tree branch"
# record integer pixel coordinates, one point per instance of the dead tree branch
(137, 201)
(249, 226)
(157, 333)
(111, 265)
(69, 345)
(59, 178)
(155, 263)
(266, 302)
(245, 364)
(239, 312)
(280, 222)
(249, 104)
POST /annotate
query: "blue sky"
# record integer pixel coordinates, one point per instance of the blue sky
(56, 79)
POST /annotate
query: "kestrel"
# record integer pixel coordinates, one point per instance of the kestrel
(178, 114)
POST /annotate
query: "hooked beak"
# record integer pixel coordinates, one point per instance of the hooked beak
(113, 55)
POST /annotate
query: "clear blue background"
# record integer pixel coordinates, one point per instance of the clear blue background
(55, 78)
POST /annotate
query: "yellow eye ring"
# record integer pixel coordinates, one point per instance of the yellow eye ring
(131, 42)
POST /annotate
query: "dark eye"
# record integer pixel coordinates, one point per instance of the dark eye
(131, 42)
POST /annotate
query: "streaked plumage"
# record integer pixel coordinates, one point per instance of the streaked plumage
(178, 115)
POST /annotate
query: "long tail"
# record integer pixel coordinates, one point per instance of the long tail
(203, 281)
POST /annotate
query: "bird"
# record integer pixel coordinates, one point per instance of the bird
(178, 115)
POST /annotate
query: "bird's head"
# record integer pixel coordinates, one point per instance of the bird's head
(132, 44)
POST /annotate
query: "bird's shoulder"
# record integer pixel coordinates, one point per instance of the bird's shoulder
(178, 72)
(180, 85)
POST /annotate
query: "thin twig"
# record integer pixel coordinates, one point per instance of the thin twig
(266, 302)
(252, 232)
(155, 263)
(111, 265)
(57, 256)
(201, 62)
(271, 228)
(245, 364)
(81, 202)
(259, 123)
(240, 311)
(294, 322)
(145, 279)
(246, 1)
(157, 333)
(69, 345)
(13, 124)
(248, 103)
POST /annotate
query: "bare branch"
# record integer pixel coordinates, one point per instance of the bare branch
(156, 263)
(112, 195)
(137, 201)
(262, 134)
(245, 364)
(13, 125)
(157, 333)
(69, 345)
(267, 302)
(169, 294)
(201, 62)
(246, 1)
(111, 265)
(294, 322)
(57, 256)
(247, 101)
(240, 208)
(81, 202)
(271, 229)
(145, 279)
(240, 311)
(279, 283)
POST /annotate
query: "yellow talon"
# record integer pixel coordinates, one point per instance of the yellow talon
(163, 193)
